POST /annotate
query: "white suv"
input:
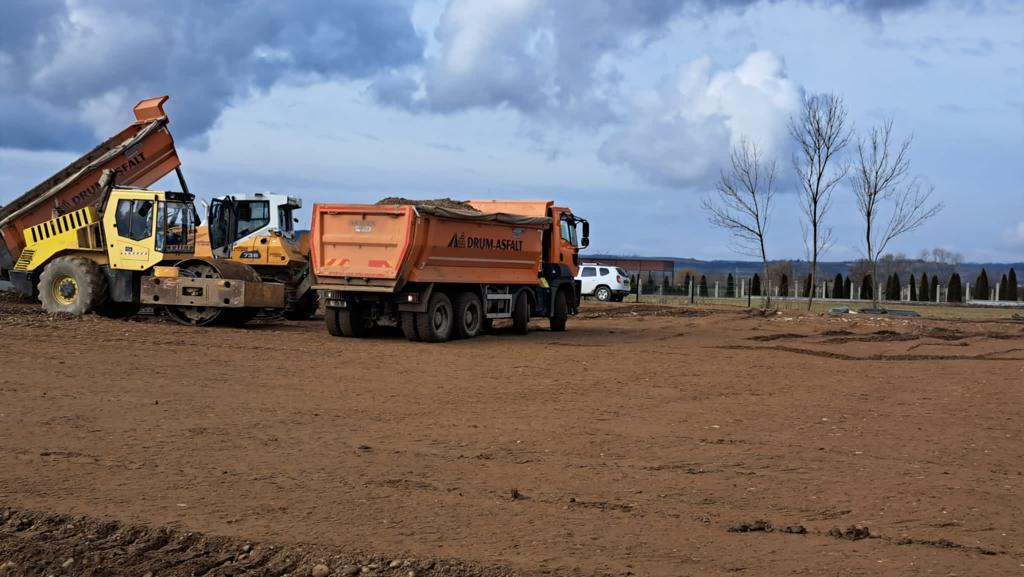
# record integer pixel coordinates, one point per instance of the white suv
(606, 283)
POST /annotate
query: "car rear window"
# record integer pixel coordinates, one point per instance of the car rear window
(622, 272)
(604, 272)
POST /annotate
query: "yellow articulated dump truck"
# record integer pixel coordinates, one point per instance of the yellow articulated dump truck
(81, 243)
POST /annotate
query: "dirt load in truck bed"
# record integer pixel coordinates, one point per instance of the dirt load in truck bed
(718, 443)
(439, 202)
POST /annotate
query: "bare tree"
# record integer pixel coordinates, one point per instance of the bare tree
(821, 135)
(882, 177)
(743, 201)
(941, 261)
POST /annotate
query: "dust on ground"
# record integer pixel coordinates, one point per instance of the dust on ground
(631, 444)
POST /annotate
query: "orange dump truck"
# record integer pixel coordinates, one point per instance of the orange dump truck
(442, 273)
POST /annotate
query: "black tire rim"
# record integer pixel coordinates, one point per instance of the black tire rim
(471, 317)
(441, 318)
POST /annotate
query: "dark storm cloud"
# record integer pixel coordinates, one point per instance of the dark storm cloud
(60, 61)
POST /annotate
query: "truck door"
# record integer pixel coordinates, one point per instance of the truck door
(131, 240)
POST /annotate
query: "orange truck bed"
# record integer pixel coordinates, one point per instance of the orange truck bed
(376, 248)
(140, 155)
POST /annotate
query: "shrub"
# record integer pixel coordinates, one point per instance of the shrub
(981, 288)
(956, 290)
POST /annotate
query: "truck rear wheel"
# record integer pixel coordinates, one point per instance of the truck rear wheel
(469, 315)
(333, 327)
(351, 323)
(73, 285)
(521, 314)
(409, 326)
(435, 325)
(559, 313)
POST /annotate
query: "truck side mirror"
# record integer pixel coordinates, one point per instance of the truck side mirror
(585, 241)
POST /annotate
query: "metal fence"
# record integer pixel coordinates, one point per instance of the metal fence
(718, 290)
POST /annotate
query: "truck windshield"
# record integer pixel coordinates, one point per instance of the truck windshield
(175, 229)
(569, 231)
(252, 216)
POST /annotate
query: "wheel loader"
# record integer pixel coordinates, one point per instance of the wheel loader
(259, 230)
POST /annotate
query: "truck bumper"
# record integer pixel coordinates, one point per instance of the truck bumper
(208, 292)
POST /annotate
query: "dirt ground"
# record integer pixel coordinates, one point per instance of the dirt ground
(646, 440)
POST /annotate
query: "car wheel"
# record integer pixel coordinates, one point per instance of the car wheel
(603, 293)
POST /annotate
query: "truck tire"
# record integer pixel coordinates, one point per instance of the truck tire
(559, 312)
(72, 285)
(331, 318)
(603, 293)
(469, 315)
(350, 321)
(521, 314)
(435, 325)
(305, 307)
(409, 326)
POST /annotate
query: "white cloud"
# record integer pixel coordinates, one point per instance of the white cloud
(682, 134)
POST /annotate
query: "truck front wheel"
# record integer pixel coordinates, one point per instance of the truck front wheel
(521, 314)
(72, 285)
(435, 325)
(469, 315)
(559, 313)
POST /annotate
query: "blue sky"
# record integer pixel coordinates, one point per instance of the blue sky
(622, 109)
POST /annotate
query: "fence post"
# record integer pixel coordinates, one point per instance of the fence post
(716, 289)
(639, 287)
(691, 290)
(967, 295)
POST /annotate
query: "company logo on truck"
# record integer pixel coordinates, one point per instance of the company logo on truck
(120, 171)
(460, 240)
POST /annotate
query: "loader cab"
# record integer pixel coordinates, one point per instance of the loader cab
(253, 228)
(144, 227)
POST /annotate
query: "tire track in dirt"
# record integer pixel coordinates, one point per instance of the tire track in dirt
(35, 543)
(989, 356)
